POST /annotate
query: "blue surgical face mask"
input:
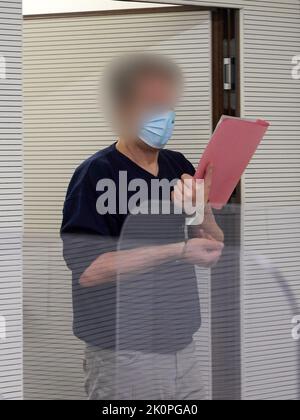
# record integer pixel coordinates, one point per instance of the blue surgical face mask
(158, 129)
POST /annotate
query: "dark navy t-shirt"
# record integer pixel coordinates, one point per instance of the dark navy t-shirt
(157, 310)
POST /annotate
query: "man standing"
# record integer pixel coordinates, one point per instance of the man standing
(158, 359)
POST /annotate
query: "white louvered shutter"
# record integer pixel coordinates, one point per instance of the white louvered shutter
(10, 200)
(272, 204)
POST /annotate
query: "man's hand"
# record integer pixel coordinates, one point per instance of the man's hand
(188, 191)
(209, 226)
(188, 194)
(203, 252)
(185, 191)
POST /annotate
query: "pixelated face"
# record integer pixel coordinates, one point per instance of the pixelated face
(152, 94)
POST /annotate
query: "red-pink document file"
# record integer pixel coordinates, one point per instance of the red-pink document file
(230, 150)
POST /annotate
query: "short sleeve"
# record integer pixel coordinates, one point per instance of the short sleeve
(188, 166)
(85, 234)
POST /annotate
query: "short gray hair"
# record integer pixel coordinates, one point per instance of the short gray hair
(123, 73)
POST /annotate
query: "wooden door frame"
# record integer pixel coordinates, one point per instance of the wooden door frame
(226, 311)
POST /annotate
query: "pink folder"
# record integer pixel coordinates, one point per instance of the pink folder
(230, 150)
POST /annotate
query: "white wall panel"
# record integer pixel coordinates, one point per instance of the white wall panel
(272, 204)
(10, 200)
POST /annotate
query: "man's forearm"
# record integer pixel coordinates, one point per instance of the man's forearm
(211, 227)
(107, 266)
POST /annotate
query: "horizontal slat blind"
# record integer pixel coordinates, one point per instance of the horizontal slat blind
(272, 204)
(10, 200)
(63, 60)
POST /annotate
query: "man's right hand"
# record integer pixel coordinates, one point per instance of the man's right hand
(203, 252)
